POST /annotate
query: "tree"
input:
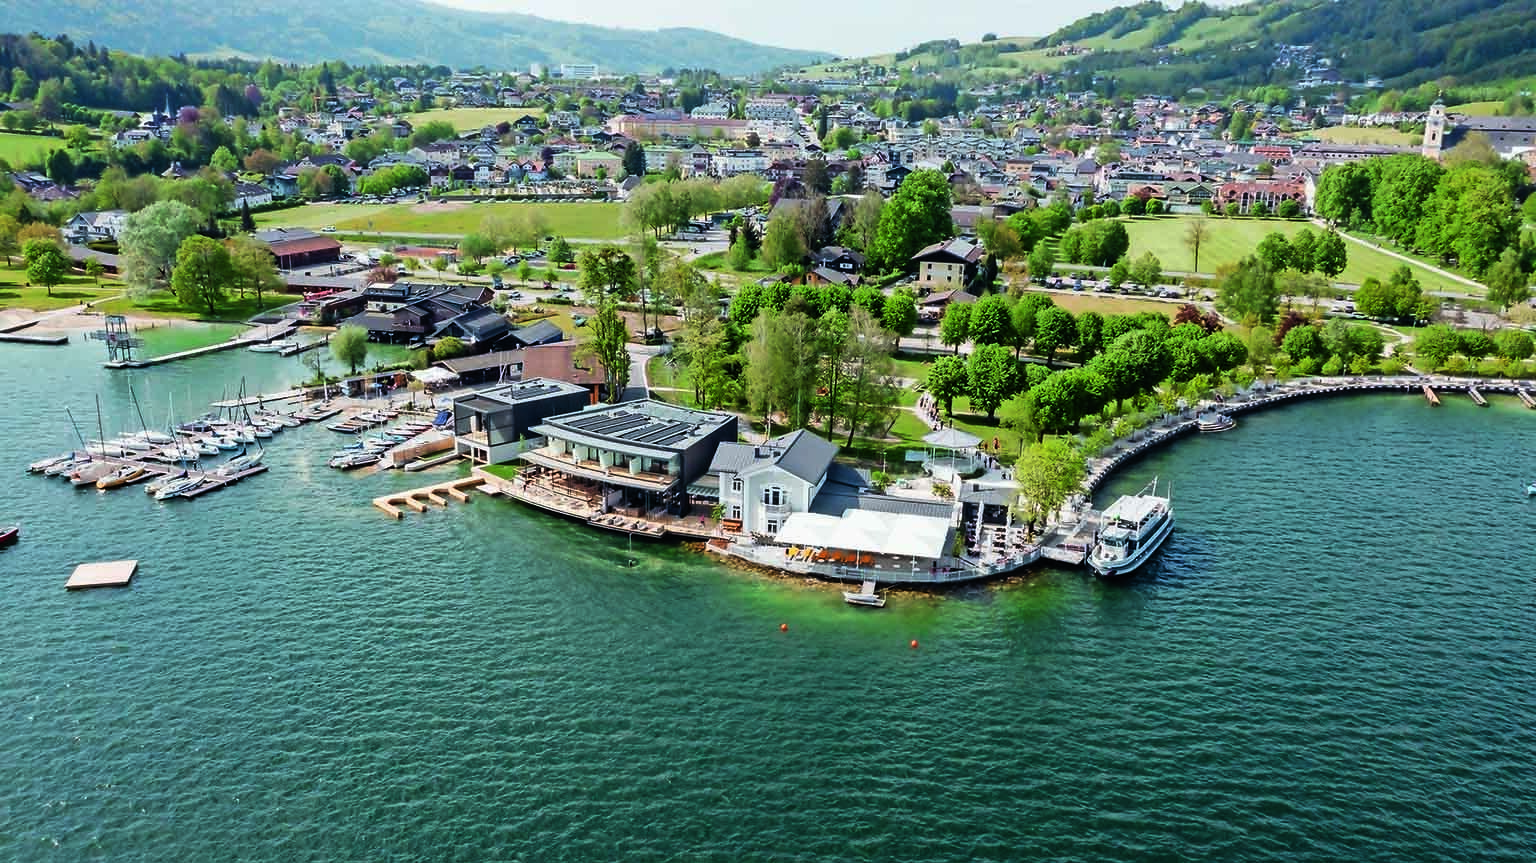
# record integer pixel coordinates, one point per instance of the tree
(916, 216)
(739, 256)
(1194, 236)
(203, 273)
(1259, 210)
(815, 177)
(1288, 209)
(60, 167)
(475, 247)
(606, 273)
(990, 375)
(46, 263)
(247, 222)
(1055, 328)
(1147, 270)
(1275, 251)
(94, 269)
(870, 394)
(782, 244)
(947, 378)
(1303, 251)
(10, 241)
(150, 240)
(1513, 344)
(223, 160)
(1154, 207)
(1134, 206)
(560, 251)
(1344, 194)
(608, 343)
(1470, 217)
(1064, 398)
(1048, 474)
(955, 327)
(1435, 344)
(1247, 291)
(1508, 285)
(253, 268)
(782, 367)
(899, 312)
(1330, 256)
(865, 224)
(990, 321)
(349, 345)
(1233, 210)
(634, 159)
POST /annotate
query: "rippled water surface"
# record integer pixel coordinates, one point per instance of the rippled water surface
(1331, 660)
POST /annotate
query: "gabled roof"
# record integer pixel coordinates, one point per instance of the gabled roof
(956, 250)
(800, 453)
(539, 333)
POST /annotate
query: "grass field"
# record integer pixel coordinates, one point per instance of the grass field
(586, 221)
(1086, 302)
(21, 150)
(15, 294)
(470, 119)
(169, 339)
(1383, 136)
(1476, 109)
(1231, 239)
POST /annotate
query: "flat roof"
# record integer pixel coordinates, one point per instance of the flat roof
(895, 534)
(528, 390)
(645, 424)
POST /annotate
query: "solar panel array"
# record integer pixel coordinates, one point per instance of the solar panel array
(635, 427)
(533, 391)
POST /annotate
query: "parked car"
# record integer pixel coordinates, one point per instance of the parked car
(328, 229)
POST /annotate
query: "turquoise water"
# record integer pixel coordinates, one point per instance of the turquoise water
(1329, 661)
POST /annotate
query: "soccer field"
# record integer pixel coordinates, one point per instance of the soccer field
(1228, 240)
(583, 220)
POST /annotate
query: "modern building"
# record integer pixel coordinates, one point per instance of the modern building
(634, 456)
(493, 425)
(578, 71)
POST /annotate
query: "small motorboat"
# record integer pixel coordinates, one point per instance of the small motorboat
(1530, 489)
(352, 461)
(121, 476)
(9, 534)
(1215, 422)
(273, 347)
(865, 596)
(244, 461)
(66, 467)
(279, 418)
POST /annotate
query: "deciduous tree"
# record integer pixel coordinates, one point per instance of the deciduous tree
(203, 273)
(990, 377)
(46, 263)
(349, 345)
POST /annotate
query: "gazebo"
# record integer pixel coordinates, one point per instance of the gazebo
(953, 441)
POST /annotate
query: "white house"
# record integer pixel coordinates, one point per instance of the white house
(731, 162)
(96, 226)
(251, 195)
(761, 485)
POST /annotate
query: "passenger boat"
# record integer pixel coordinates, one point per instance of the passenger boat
(1215, 421)
(1135, 526)
(10, 534)
(121, 476)
(1530, 489)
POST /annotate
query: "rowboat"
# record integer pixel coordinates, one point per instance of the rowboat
(10, 534)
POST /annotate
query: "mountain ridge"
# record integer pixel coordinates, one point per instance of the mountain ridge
(388, 32)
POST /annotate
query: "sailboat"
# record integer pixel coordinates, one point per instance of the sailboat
(120, 477)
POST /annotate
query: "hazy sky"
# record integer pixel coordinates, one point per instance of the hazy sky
(847, 29)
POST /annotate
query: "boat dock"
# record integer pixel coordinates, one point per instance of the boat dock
(25, 339)
(112, 573)
(1477, 397)
(1429, 393)
(244, 340)
(305, 346)
(214, 481)
(1525, 396)
(418, 499)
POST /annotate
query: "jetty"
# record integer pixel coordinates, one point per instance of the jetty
(29, 339)
(1477, 397)
(421, 499)
(254, 337)
(112, 573)
(304, 346)
(1429, 393)
(1525, 396)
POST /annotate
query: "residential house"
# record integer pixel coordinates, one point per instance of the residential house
(951, 262)
(95, 227)
(760, 485)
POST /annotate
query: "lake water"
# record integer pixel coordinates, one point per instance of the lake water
(1330, 660)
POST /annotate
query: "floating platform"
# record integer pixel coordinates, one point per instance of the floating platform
(417, 499)
(112, 573)
(21, 338)
(1477, 397)
(1525, 396)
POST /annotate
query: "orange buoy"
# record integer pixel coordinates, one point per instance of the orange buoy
(783, 627)
(914, 644)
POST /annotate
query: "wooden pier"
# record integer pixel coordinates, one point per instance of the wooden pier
(306, 346)
(420, 499)
(244, 340)
(1525, 396)
(112, 573)
(1477, 397)
(1429, 393)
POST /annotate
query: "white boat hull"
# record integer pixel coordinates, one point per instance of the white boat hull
(1125, 566)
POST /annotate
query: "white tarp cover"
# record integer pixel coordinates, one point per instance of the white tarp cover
(894, 534)
(434, 375)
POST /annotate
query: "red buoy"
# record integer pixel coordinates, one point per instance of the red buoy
(783, 627)
(914, 644)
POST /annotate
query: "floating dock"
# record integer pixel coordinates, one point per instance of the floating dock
(1525, 396)
(418, 499)
(1429, 393)
(1477, 397)
(244, 340)
(22, 338)
(112, 573)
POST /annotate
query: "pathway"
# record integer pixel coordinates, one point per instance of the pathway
(1446, 274)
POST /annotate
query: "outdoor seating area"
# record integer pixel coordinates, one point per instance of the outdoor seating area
(822, 555)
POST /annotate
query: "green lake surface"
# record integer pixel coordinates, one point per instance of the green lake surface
(1330, 660)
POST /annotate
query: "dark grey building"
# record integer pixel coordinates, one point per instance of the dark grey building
(489, 425)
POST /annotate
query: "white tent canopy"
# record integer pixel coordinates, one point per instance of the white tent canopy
(898, 535)
(434, 375)
(951, 438)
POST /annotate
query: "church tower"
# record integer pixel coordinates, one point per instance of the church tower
(1434, 130)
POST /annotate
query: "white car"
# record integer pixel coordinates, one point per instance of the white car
(328, 229)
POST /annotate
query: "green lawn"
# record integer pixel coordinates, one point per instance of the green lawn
(163, 304)
(1077, 303)
(162, 339)
(19, 150)
(505, 471)
(591, 221)
(472, 119)
(14, 293)
(1476, 109)
(1231, 239)
(716, 261)
(1384, 136)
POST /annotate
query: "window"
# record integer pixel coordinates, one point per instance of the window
(773, 526)
(736, 513)
(774, 496)
(735, 483)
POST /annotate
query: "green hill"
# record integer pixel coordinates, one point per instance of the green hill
(385, 32)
